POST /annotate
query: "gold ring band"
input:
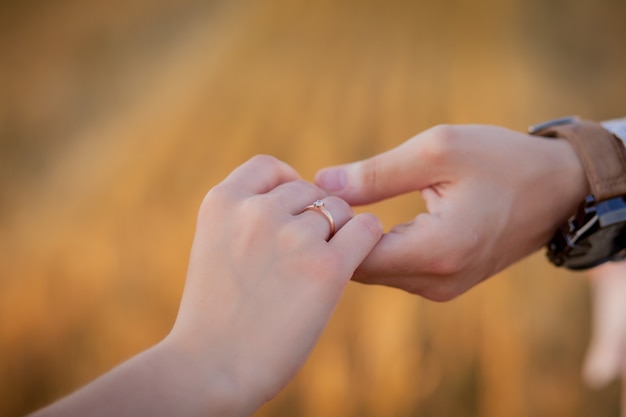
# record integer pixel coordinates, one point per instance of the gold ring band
(318, 205)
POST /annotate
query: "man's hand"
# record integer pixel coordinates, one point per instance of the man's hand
(493, 196)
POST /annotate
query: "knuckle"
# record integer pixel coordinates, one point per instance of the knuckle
(339, 204)
(371, 175)
(449, 279)
(372, 224)
(264, 159)
(306, 186)
(265, 162)
(447, 265)
(289, 236)
(439, 141)
(445, 290)
(216, 196)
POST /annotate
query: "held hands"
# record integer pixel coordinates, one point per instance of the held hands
(493, 196)
(264, 274)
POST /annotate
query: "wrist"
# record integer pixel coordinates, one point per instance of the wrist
(602, 154)
(161, 381)
(595, 231)
(209, 385)
(573, 184)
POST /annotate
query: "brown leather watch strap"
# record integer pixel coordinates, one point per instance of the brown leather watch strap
(603, 156)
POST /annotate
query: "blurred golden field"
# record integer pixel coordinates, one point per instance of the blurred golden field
(116, 117)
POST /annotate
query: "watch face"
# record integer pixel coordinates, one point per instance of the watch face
(596, 234)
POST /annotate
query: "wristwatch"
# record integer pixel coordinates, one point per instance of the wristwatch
(596, 233)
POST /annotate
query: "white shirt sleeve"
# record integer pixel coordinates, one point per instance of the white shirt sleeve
(617, 127)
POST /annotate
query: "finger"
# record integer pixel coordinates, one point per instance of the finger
(261, 173)
(604, 357)
(408, 248)
(422, 257)
(409, 167)
(326, 220)
(355, 240)
(295, 195)
(395, 257)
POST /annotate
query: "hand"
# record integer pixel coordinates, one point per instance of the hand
(493, 196)
(262, 279)
(606, 356)
(262, 282)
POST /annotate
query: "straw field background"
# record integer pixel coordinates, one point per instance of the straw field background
(116, 117)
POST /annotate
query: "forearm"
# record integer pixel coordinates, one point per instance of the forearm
(161, 381)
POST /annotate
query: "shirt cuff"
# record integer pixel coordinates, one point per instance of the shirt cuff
(616, 127)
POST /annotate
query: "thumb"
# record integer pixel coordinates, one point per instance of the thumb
(406, 168)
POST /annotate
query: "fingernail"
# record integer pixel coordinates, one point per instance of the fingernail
(332, 179)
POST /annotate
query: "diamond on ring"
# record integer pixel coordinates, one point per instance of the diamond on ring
(318, 205)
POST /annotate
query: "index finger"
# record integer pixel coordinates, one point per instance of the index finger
(261, 174)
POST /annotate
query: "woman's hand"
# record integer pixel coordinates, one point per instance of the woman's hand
(263, 280)
(264, 277)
